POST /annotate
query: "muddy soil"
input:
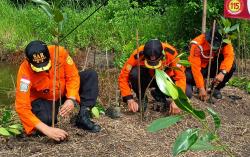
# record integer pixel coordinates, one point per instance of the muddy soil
(127, 135)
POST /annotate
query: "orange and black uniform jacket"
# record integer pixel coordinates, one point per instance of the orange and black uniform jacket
(32, 85)
(170, 60)
(199, 58)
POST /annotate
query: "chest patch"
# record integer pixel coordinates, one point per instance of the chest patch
(24, 85)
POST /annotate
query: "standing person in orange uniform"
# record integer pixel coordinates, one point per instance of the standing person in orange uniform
(34, 92)
(199, 59)
(153, 55)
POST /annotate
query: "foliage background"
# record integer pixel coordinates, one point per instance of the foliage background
(114, 26)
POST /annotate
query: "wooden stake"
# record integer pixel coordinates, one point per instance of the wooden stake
(204, 16)
(139, 76)
(210, 56)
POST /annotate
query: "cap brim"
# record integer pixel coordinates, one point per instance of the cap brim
(153, 65)
(41, 67)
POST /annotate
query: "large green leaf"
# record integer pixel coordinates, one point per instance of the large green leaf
(163, 123)
(204, 143)
(165, 85)
(215, 117)
(183, 103)
(4, 132)
(185, 140)
(14, 131)
(184, 63)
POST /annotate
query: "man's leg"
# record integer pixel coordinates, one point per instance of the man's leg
(190, 83)
(145, 80)
(88, 94)
(227, 77)
(43, 110)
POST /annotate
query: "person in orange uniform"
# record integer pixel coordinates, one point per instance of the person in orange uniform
(34, 92)
(153, 55)
(199, 59)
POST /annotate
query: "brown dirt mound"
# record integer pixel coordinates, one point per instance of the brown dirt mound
(127, 136)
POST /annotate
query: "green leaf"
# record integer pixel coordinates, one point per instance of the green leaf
(216, 118)
(184, 63)
(227, 29)
(163, 123)
(14, 131)
(42, 2)
(6, 117)
(16, 126)
(166, 86)
(95, 112)
(185, 140)
(4, 132)
(228, 41)
(234, 27)
(58, 16)
(47, 10)
(184, 104)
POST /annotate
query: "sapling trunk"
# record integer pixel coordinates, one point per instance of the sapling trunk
(139, 76)
(210, 58)
(204, 16)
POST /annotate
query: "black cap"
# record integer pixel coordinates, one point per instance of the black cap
(153, 53)
(37, 54)
(217, 37)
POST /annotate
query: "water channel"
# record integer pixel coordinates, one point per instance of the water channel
(8, 74)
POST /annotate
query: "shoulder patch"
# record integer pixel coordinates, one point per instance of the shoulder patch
(69, 60)
(169, 50)
(128, 67)
(24, 85)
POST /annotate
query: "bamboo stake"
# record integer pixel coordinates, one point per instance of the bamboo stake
(54, 85)
(139, 76)
(210, 57)
(108, 74)
(239, 52)
(204, 16)
(86, 59)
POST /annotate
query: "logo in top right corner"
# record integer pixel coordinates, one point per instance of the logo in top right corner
(235, 7)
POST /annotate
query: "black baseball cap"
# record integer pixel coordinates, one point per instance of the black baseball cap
(153, 54)
(217, 38)
(38, 56)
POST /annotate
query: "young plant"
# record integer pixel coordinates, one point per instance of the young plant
(205, 137)
(6, 128)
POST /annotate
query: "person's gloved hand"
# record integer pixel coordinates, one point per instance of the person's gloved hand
(203, 94)
(173, 108)
(132, 105)
(67, 107)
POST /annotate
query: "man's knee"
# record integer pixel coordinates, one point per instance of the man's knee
(89, 73)
(189, 76)
(43, 110)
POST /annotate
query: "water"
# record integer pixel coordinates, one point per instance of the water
(8, 74)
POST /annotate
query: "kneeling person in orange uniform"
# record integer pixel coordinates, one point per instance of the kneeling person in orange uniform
(34, 92)
(153, 55)
(199, 59)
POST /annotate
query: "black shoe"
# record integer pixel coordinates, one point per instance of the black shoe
(217, 94)
(83, 121)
